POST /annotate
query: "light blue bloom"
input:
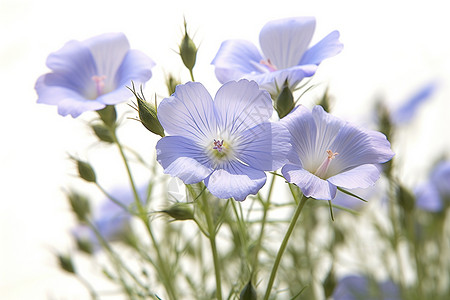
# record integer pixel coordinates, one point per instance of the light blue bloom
(285, 54)
(91, 74)
(406, 111)
(112, 221)
(435, 193)
(328, 152)
(360, 288)
(228, 143)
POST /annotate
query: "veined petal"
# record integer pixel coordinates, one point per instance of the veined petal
(235, 59)
(73, 67)
(235, 180)
(357, 146)
(310, 184)
(264, 147)
(136, 66)
(241, 105)
(189, 112)
(329, 46)
(284, 42)
(109, 51)
(67, 100)
(273, 81)
(360, 177)
(183, 158)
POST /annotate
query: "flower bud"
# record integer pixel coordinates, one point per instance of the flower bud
(188, 50)
(80, 205)
(103, 133)
(66, 263)
(85, 245)
(108, 115)
(180, 211)
(248, 292)
(147, 113)
(284, 103)
(171, 83)
(149, 118)
(406, 199)
(86, 171)
(325, 101)
(329, 284)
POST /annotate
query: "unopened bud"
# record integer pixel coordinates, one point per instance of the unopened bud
(85, 171)
(66, 263)
(171, 83)
(325, 101)
(108, 115)
(149, 118)
(103, 133)
(180, 211)
(406, 199)
(329, 284)
(80, 205)
(284, 103)
(85, 245)
(248, 292)
(188, 50)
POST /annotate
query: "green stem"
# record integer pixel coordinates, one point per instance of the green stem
(212, 240)
(283, 245)
(167, 279)
(192, 74)
(88, 286)
(266, 206)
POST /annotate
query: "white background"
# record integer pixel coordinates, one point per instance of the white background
(391, 48)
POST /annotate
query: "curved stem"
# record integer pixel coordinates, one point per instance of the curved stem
(283, 245)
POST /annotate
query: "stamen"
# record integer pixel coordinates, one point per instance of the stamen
(269, 64)
(218, 145)
(323, 168)
(99, 83)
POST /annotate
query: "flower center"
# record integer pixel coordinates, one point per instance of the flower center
(268, 64)
(218, 145)
(99, 83)
(323, 168)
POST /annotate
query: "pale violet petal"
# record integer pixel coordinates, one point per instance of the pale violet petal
(73, 67)
(235, 59)
(189, 112)
(359, 177)
(241, 105)
(183, 158)
(136, 66)
(428, 197)
(329, 46)
(274, 81)
(284, 41)
(108, 50)
(76, 106)
(235, 180)
(441, 178)
(264, 147)
(310, 184)
(356, 146)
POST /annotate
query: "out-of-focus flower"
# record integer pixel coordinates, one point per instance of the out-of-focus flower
(228, 142)
(360, 288)
(91, 74)
(328, 152)
(285, 55)
(435, 193)
(111, 220)
(406, 111)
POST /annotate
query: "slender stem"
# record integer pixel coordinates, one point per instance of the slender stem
(192, 74)
(283, 245)
(212, 240)
(266, 206)
(167, 280)
(88, 286)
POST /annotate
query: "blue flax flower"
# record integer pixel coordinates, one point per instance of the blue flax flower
(328, 152)
(285, 55)
(91, 74)
(435, 193)
(228, 143)
(360, 288)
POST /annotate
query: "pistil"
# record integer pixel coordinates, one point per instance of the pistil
(323, 168)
